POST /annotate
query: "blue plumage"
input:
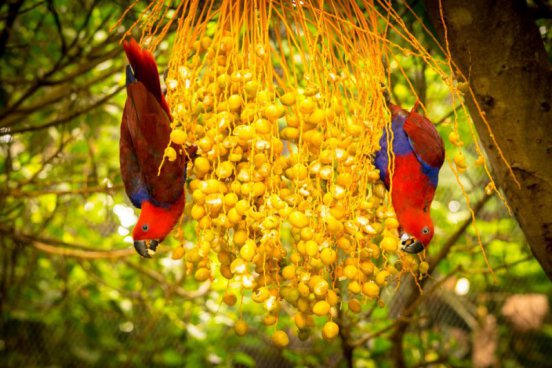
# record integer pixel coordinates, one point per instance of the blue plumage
(403, 145)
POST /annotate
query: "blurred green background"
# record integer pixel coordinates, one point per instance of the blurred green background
(74, 293)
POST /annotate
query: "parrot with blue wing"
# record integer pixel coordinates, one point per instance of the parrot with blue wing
(418, 154)
(145, 133)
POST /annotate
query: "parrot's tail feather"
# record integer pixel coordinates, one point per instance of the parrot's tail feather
(145, 70)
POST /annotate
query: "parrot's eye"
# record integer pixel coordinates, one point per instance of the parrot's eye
(425, 230)
(145, 227)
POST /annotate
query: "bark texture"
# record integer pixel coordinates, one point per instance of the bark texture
(498, 48)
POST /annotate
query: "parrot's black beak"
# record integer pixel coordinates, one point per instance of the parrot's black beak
(146, 248)
(410, 244)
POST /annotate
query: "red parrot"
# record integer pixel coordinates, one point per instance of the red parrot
(419, 154)
(145, 133)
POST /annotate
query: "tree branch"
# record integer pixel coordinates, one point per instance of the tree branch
(13, 12)
(160, 279)
(63, 192)
(415, 298)
(57, 247)
(64, 119)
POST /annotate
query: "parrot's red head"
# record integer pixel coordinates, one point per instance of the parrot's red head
(417, 231)
(154, 224)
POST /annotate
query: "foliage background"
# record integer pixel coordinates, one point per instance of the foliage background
(73, 292)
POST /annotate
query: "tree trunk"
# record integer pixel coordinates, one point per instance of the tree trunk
(497, 46)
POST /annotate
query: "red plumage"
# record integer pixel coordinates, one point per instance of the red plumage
(145, 70)
(145, 133)
(426, 142)
(418, 156)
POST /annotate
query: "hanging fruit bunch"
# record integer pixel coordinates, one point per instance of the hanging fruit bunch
(285, 104)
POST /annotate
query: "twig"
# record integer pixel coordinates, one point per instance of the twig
(59, 247)
(13, 12)
(64, 119)
(62, 192)
(159, 278)
(84, 254)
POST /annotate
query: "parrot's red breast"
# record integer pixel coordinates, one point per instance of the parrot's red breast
(145, 133)
(418, 153)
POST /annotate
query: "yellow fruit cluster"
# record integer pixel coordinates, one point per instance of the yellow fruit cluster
(288, 204)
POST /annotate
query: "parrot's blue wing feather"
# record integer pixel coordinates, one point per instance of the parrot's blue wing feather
(401, 146)
(135, 186)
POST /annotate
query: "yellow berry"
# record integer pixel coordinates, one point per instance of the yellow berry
(389, 244)
(330, 330)
(311, 248)
(263, 126)
(423, 267)
(288, 272)
(201, 164)
(334, 226)
(260, 295)
(270, 320)
(298, 219)
(225, 170)
(321, 288)
(344, 179)
(247, 251)
(307, 106)
(328, 256)
(391, 223)
(332, 298)
(370, 289)
(240, 236)
(350, 272)
(177, 253)
(307, 233)
(242, 206)
(321, 308)
(354, 287)
(205, 43)
(274, 112)
(316, 117)
(170, 153)
(288, 99)
(235, 102)
(381, 277)
(178, 136)
(460, 161)
(230, 199)
(251, 88)
(301, 320)
(197, 212)
(205, 144)
(241, 327)
(229, 299)
(280, 339)
(238, 266)
(202, 274)
(245, 132)
(354, 305)
(454, 138)
(290, 133)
